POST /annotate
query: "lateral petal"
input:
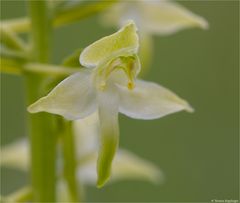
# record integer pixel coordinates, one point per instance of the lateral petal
(161, 17)
(167, 17)
(150, 101)
(73, 98)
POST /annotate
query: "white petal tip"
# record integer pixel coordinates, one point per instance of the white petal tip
(32, 109)
(131, 23)
(157, 178)
(189, 108)
(101, 182)
(37, 106)
(203, 24)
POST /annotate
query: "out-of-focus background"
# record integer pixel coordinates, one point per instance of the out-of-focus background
(198, 152)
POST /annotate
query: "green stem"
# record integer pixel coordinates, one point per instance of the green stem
(9, 66)
(41, 29)
(62, 18)
(42, 130)
(11, 40)
(70, 163)
(12, 66)
(49, 69)
(79, 12)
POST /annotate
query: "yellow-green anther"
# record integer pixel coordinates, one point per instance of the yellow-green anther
(131, 67)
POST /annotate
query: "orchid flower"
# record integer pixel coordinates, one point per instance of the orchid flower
(160, 17)
(152, 17)
(108, 85)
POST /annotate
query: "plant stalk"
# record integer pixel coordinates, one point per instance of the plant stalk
(42, 126)
(41, 24)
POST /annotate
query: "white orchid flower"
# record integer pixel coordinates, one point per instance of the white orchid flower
(161, 17)
(152, 17)
(126, 165)
(108, 86)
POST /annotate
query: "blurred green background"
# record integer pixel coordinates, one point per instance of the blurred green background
(197, 152)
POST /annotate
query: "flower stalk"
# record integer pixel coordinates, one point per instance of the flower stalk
(41, 29)
(42, 127)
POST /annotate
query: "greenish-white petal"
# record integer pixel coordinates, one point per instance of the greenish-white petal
(155, 17)
(86, 133)
(73, 98)
(16, 155)
(150, 101)
(166, 17)
(109, 134)
(125, 41)
(125, 166)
